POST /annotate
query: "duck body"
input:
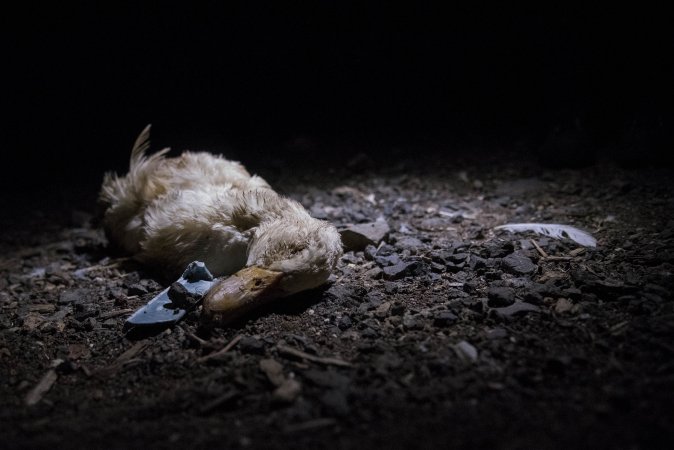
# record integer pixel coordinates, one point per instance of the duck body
(168, 212)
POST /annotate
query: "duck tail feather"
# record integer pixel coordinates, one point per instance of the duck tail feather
(140, 146)
(140, 165)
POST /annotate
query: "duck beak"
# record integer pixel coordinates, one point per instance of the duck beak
(232, 297)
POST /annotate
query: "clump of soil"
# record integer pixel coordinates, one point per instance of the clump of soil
(443, 334)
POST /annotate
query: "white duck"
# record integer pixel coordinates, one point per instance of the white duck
(168, 212)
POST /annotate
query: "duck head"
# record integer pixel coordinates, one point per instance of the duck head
(286, 255)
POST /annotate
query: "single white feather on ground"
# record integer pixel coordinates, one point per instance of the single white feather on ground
(552, 230)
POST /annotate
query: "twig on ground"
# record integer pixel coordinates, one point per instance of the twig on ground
(111, 265)
(122, 359)
(284, 349)
(559, 258)
(227, 348)
(539, 249)
(41, 388)
(198, 340)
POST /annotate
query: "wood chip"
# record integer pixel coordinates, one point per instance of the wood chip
(41, 388)
(130, 353)
(577, 251)
(539, 249)
(111, 265)
(227, 348)
(42, 308)
(619, 328)
(310, 425)
(286, 350)
(123, 359)
(198, 340)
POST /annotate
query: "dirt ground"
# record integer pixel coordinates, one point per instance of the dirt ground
(448, 334)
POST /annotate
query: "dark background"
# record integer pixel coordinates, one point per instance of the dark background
(81, 82)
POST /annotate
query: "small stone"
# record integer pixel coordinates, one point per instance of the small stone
(546, 290)
(138, 289)
(412, 322)
(357, 237)
(344, 323)
(383, 310)
(390, 288)
(150, 285)
(496, 333)
(387, 260)
(444, 318)
(78, 351)
(343, 292)
(397, 309)
(518, 264)
(370, 252)
(374, 274)
(563, 305)
(32, 321)
(477, 262)
(533, 297)
(466, 351)
(249, 344)
(500, 296)
(437, 267)
(287, 392)
(574, 293)
(458, 258)
(85, 311)
(514, 310)
(474, 304)
(369, 333)
(273, 370)
(412, 244)
(350, 258)
(72, 296)
(400, 270)
(91, 324)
